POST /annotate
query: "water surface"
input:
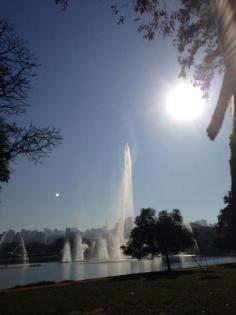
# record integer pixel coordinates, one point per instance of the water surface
(20, 275)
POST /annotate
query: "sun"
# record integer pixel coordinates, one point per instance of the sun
(185, 102)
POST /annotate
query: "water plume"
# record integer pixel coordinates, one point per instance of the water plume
(104, 243)
(79, 248)
(24, 254)
(126, 205)
(66, 253)
(21, 246)
(190, 229)
(100, 250)
(126, 190)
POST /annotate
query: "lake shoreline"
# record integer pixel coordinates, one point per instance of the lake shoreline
(45, 284)
(56, 272)
(187, 291)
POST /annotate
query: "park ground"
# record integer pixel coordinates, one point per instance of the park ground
(212, 291)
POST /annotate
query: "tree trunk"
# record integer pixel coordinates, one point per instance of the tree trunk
(232, 163)
(168, 262)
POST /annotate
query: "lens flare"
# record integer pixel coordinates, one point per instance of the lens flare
(185, 102)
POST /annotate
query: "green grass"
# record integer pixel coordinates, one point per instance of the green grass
(186, 292)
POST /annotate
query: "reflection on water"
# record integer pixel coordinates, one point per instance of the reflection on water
(66, 271)
(20, 275)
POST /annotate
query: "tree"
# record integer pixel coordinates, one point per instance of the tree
(225, 227)
(32, 142)
(164, 234)
(17, 67)
(4, 165)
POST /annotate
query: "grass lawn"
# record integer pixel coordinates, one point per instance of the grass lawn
(184, 292)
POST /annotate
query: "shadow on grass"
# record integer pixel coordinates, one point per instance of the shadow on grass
(35, 284)
(209, 277)
(152, 276)
(230, 266)
(40, 283)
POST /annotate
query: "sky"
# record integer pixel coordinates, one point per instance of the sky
(104, 86)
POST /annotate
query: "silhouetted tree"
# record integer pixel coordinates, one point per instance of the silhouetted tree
(4, 165)
(164, 234)
(226, 234)
(205, 237)
(17, 67)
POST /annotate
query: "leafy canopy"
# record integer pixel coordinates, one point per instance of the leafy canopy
(226, 226)
(190, 25)
(163, 234)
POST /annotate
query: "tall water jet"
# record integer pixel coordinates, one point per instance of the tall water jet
(3, 238)
(126, 192)
(79, 248)
(114, 244)
(66, 253)
(196, 248)
(100, 250)
(126, 204)
(24, 254)
(90, 249)
(20, 248)
(106, 244)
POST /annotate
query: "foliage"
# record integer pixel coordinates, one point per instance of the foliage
(164, 234)
(62, 3)
(4, 165)
(205, 238)
(191, 26)
(226, 226)
(17, 67)
(32, 142)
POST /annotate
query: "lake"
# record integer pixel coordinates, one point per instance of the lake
(13, 275)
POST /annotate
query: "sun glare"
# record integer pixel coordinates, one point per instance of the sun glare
(185, 102)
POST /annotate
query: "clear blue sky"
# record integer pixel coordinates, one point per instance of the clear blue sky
(104, 85)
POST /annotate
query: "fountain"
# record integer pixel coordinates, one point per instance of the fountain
(126, 206)
(3, 238)
(184, 257)
(79, 248)
(196, 248)
(23, 254)
(126, 190)
(106, 243)
(113, 245)
(100, 250)
(5, 234)
(66, 253)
